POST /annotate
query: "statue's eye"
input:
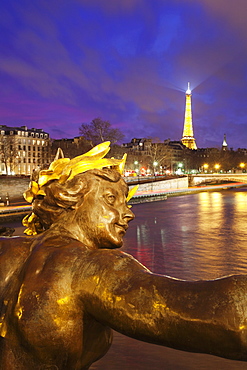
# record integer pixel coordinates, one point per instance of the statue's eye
(111, 198)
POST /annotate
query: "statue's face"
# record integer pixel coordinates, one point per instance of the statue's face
(104, 215)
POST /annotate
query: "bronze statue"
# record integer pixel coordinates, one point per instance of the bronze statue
(66, 287)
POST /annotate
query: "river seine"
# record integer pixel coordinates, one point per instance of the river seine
(197, 236)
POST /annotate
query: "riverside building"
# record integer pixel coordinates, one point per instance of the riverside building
(23, 150)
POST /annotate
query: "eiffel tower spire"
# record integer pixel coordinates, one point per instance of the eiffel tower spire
(224, 144)
(188, 135)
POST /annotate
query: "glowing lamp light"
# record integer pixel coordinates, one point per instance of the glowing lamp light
(143, 171)
(242, 165)
(188, 91)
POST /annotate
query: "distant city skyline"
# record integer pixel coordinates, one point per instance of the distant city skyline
(65, 63)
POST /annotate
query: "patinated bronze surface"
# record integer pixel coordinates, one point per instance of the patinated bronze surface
(63, 290)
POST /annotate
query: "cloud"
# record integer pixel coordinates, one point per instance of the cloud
(129, 62)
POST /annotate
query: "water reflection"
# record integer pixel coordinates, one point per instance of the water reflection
(199, 236)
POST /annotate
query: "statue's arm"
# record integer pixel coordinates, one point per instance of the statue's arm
(202, 316)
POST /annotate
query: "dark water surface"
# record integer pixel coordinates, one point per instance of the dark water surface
(198, 236)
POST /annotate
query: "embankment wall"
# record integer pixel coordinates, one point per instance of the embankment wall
(162, 185)
(13, 186)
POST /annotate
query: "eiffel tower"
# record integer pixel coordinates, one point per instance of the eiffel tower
(188, 135)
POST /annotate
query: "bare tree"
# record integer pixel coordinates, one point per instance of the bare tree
(158, 154)
(98, 131)
(8, 153)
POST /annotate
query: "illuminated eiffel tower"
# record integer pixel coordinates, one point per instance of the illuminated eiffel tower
(188, 136)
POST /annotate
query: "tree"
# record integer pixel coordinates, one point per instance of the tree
(98, 131)
(8, 153)
(158, 154)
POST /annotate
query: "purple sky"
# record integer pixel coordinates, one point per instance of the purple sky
(66, 62)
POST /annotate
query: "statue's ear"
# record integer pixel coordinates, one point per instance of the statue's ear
(59, 154)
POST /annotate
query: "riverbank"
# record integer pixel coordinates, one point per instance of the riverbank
(15, 213)
(152, 196)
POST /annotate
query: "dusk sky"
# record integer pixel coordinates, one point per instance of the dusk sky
(66, 62)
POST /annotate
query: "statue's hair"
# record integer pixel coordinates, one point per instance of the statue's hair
(62, 198)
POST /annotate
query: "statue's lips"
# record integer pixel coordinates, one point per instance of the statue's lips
(123, 227)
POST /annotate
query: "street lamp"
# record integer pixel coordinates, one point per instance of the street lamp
(205, 166)
(217, 166)
(179, 169)
(242, 165)
(155, 164)
(136, 164)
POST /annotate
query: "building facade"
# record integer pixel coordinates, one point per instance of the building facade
(23, 150)
(156, 157)
(141, 145)
(71, 147)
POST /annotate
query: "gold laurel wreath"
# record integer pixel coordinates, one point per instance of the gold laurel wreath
(65, 169)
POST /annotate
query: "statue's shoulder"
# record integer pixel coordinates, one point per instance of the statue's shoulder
(114, 260)
(14, 251)
(15, 246)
